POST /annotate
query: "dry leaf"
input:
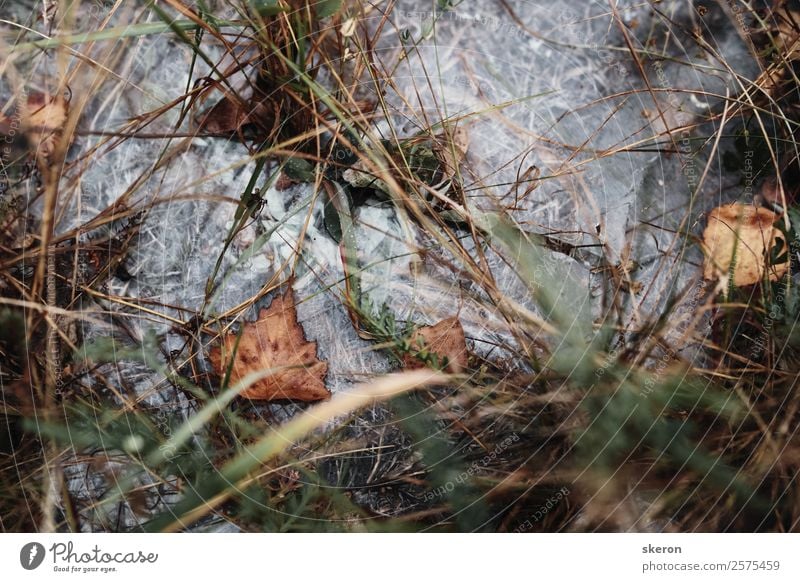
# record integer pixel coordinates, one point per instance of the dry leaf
(745, 235)
(233, 116)
(453, 150)
(275, 340)
(226, 117)
(43, 118)
(445, 339)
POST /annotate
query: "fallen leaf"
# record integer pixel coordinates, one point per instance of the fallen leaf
(40, 119)
(445, 340)
(275, 340)
(225, 117)
(234, 115)
(43, 118)
(744, 235)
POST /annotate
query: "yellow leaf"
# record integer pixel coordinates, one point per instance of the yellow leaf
(742, 235)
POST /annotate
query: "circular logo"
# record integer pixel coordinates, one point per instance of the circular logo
(31, 555)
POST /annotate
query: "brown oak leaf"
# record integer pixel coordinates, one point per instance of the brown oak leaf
(445, 340)
(275, 340)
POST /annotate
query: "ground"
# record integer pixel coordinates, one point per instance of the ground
(476, 225)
